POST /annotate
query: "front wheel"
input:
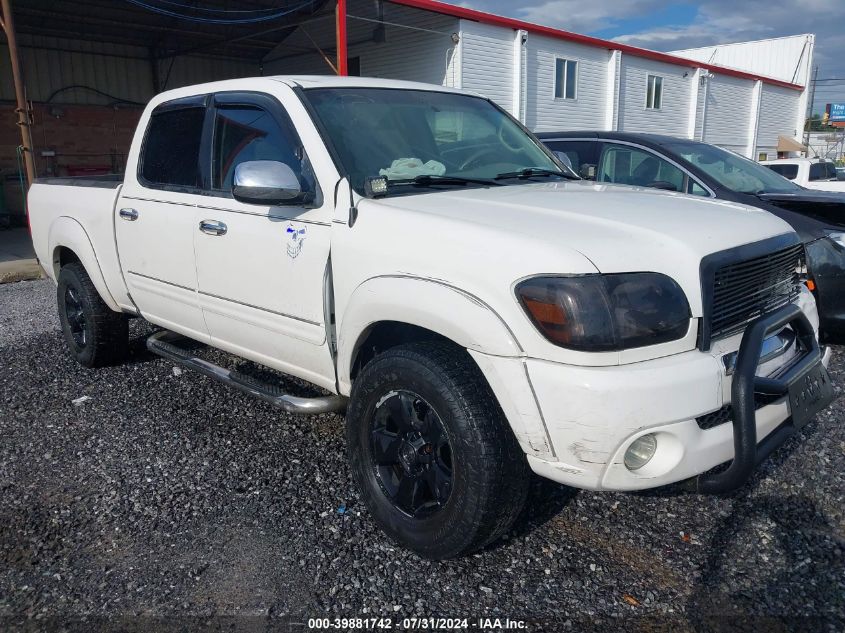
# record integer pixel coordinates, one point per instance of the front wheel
(94, 333)
(431, 451)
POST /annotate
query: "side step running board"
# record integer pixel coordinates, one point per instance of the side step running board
(164, 344)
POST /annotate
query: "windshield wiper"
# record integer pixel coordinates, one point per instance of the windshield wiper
(426, 180)
(531, 172)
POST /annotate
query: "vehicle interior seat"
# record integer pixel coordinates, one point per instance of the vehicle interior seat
(646, 172)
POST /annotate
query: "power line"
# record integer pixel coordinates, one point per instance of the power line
(201, 20)
(213, 10)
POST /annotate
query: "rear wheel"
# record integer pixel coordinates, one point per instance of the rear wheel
(95, 334)
(432, 453)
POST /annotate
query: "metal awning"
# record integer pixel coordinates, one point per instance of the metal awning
(787, 144)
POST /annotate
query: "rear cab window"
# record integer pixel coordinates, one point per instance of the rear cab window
(789, 171)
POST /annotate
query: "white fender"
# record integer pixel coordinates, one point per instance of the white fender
(462, 318)
(67, 232)
(427, 303)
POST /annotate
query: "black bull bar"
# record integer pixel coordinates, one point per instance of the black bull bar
(805, 381)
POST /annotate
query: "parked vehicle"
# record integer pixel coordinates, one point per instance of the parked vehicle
(477, 312)
(665, 162)
(812, 173)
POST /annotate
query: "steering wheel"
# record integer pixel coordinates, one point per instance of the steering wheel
(513, 148)
(476, 155)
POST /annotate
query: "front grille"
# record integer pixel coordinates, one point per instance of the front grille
(745, 290)
(726, 413)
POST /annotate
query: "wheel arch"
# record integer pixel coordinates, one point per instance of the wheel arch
(397, 307)
(68, 242)
(388, 311)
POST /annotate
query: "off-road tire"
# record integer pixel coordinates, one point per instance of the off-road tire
(490, 474)
(106, 331)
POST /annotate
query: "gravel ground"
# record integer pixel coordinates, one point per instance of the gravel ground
(165, 498)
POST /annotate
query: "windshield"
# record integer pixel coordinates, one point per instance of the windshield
(427, 139)
(732, 170)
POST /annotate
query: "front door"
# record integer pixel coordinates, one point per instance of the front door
(155, 218)
(262, 270)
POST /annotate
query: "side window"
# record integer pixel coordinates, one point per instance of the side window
(626, 165)
(817, 171)
(566, 79)
(654, 92)
(581, 155)
(170, 155)
(244, 133)
(831, 171)
(695, 189)
(785, 170)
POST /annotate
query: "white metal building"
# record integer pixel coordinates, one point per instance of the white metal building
(557, 80)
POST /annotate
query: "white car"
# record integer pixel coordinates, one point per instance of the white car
(812, 173)
(477, 310)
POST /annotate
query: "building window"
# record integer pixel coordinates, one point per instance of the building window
(654, 93)
(566, 78)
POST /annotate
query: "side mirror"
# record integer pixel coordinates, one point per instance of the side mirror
(266, 182)
(587, 171)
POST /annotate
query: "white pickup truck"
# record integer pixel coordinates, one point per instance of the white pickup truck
(812, 173)
(476, 310)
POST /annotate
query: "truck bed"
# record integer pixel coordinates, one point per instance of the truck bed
(80, 209)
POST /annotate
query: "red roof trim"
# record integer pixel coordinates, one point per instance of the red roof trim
(497, 20)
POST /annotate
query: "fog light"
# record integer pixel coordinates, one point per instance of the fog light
(640, 452)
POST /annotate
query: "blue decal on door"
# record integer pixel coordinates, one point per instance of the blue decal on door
(296, 238)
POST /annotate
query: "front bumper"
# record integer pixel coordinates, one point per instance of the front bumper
(593, 414)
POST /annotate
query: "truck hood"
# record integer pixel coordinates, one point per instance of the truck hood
(617, 228)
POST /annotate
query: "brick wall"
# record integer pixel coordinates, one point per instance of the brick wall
(80, 135)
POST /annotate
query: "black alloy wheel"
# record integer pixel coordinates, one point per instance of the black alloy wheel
(75, 314)
(95, 334)
(411, 454)
(432, 453)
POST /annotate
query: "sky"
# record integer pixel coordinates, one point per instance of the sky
(667, 25)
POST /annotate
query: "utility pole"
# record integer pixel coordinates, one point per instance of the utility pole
(809, 125)
(7, 21)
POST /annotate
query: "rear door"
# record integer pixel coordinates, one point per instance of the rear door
(155, 221)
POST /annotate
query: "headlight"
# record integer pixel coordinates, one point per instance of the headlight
(838, 237)
(602, 313)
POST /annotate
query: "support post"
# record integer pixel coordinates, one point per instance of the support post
(342, 58)
(154, 75)
(8, 23)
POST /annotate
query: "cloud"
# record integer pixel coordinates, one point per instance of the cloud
(585, 17)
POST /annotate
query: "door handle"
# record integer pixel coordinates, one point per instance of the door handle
(213, 227)
(129, 215)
